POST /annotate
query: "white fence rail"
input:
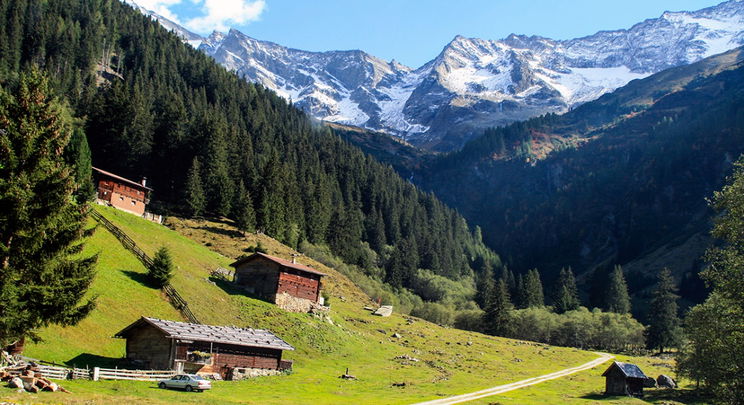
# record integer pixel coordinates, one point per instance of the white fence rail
(134, 375)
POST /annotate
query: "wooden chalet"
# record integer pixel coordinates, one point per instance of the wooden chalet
(186, 347)
(624, 379)
(121, 193)
(290, 285)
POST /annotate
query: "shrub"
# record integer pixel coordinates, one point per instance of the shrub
(161, 270)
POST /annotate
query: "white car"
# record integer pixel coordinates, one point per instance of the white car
(188, 382)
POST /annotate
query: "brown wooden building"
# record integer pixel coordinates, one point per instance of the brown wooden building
(124, 194)
(186, 347)
(276, 280)
(624, 379)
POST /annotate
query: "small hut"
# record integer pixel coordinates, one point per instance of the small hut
(624, 379)
(290, 285)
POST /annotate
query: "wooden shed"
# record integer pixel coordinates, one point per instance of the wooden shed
(124, 194)
(624, 379)
(288, 284)
(186, 347)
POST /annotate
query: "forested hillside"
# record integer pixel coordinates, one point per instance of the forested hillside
(608, 182)
(210, 143)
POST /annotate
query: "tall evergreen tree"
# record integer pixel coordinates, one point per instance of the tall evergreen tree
(533, 290)
(566, 294)
(714, 330)
(508, 276)
(486, 285)
(496, 317)
(42, 277)
(617, 298)
(520, 300)
(78, 156)
(194, 192)
(664, 324)
(245, 216)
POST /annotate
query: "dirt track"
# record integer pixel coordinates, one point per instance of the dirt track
(519, 384)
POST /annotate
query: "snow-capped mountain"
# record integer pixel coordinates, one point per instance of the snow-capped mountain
(474, 83)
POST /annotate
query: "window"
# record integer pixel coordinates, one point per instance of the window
(134, 202)
(121, 198)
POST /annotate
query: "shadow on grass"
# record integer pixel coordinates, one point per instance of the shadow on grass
(232, 289)
(227, 232)
(141, 278)
(659, 396)
(685, 396)
(93, 360)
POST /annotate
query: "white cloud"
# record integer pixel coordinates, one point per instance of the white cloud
(221, 14)
(161, 7)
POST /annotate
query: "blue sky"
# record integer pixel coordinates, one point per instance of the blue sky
(409, 31)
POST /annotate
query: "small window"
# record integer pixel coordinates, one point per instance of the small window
(121, 198)
(134, 202)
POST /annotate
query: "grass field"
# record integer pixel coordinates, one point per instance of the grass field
(450, 361)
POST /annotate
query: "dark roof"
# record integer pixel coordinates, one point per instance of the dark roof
(629, 370)
(130, 182)
(209, 333)
(280, 261)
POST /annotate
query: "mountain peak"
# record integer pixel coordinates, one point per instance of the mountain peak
(475, 83)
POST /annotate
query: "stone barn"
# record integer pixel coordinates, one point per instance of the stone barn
(624, 379)
(288, 284)
(206, 349)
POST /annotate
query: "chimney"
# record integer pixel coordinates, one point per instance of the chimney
(294, 258)
(144, 182)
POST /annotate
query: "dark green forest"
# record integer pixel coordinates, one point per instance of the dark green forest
(212, 144)
(625, 175)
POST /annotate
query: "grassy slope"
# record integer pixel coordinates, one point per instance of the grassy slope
(451, 361)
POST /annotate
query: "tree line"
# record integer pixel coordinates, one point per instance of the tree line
(212, 144)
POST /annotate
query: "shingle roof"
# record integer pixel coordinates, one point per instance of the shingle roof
(210, 333)
(280, 261)
(130, 182)
(630, 370)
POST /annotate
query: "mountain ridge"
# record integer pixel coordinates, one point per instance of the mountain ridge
(476, 83)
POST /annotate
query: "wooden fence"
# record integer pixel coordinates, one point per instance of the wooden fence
(134, 375)
(175, 298)
(56, 373)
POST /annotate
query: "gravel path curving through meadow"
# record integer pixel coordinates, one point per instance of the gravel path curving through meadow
(604, 357)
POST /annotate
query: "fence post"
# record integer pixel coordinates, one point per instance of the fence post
(96, 373)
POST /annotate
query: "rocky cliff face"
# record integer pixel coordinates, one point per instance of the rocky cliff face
(475, 83)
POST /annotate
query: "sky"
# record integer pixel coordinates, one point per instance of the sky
(411, 32)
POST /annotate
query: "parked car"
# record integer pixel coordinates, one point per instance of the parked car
(188, 382)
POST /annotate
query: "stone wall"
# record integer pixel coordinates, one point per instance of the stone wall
(293, 304)
(244, 373)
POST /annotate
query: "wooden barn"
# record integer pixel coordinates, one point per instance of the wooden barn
(186, 347)
(624, 379)
(290, 285)
(121, 193)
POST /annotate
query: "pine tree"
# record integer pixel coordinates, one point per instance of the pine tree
(161, 270)
(194, 192)
(42, 277)
(520, 301)
(533, 290)
(618, 299)
(245, 216)
(496, 317)
(714, 330)
(77, 155)
(484, 295)
(511, 283)
(566, 294)
(664, 324)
